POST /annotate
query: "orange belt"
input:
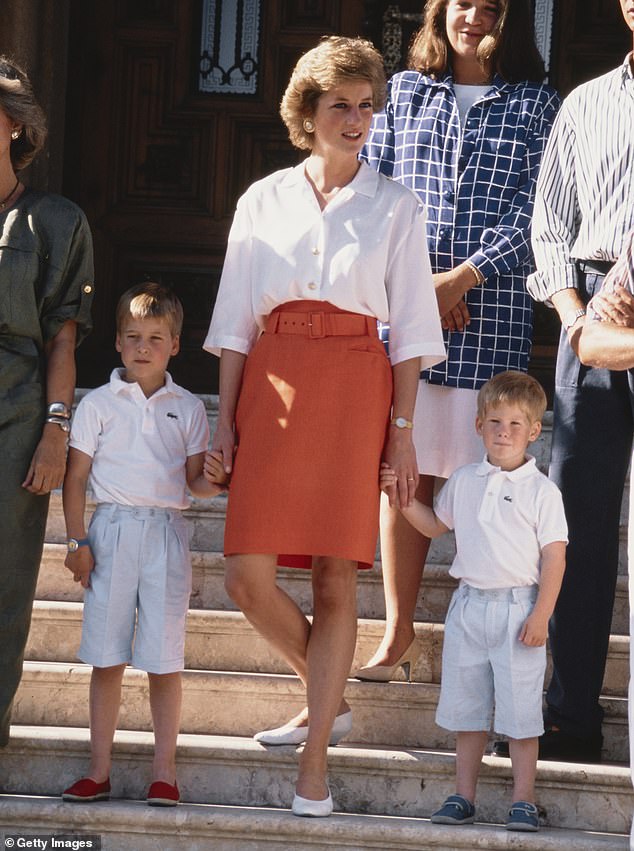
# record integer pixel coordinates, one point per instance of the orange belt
(319, 324)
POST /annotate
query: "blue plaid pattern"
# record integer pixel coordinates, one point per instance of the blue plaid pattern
(478, 184)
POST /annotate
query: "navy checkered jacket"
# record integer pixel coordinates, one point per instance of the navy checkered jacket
(478, 184)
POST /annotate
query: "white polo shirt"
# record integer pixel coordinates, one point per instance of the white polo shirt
(502, 520)
(139, 446)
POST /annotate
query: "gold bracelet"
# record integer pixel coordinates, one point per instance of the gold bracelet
(478, 274)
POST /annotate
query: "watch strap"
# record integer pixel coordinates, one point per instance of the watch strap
(572, 316)
(401, 422)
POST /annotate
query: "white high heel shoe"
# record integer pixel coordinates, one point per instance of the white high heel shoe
(289, 735)
(316, 809)
(385, 673)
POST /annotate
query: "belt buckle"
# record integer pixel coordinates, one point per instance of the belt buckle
(316, 325)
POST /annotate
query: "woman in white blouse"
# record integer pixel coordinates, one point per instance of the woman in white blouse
(308, 403)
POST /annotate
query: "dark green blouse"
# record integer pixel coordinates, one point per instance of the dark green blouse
(46, 278)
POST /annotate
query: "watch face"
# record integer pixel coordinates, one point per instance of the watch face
(72, 545)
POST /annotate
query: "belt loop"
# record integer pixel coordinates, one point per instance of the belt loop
(316, 325)
(371, 326)
(272, 322)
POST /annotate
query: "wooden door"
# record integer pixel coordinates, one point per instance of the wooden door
(158, 165)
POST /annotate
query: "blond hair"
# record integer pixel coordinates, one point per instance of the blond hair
(335, 59)
(514, 388)
(150, 300)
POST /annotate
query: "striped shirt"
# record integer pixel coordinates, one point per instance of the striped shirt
(585, 192)
(477, 181)
(621, 274)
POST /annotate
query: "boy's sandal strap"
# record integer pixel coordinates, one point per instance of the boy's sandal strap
(523, 816)
(523, 808)
(455, 809)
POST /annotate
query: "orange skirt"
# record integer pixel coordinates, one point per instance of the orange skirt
(311, 424)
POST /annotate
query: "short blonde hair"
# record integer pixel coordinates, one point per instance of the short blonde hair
(335, 59)
(18, 103)
(514, 388)
(150, 300)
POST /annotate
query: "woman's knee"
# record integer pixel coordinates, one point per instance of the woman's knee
(246, 583)
(334, 583)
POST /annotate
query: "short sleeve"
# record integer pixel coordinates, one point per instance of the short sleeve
(444, 502)
(86, 428)
(551, 520)
(68, 284)
(198, 437)
(415, 329)
(233, 323)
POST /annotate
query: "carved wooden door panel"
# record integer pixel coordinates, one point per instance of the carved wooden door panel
(157, 164)
(589, 39)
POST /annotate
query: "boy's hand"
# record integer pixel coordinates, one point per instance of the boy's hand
(80, 564)
(213, 469)
(387, 478)
(535, 630)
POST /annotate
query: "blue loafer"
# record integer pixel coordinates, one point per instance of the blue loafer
(523, 816)
(455, 810)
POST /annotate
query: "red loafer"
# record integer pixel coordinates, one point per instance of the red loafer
(87, 790)
(161, 794)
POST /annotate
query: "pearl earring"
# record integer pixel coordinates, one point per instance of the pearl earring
(15, 134)
(308, 125)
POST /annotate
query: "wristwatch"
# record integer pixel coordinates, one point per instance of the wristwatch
(401, 422)
(73, 544)
(571, 317)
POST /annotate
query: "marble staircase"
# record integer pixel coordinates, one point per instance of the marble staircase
(386, 777)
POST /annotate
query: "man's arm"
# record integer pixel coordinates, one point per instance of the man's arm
(607, 340)
(607, 345)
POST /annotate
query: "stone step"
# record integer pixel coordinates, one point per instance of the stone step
(124, 825)
(370, 781)
(239, 704)
(55, 583)
(225, 641)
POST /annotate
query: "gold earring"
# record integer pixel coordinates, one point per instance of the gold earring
(15, 134)
(308, 126)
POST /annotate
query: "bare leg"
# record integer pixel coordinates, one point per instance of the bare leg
(329, 657)
(470, 748)
(403, 554)
(165, 703)
(523, 753)
(104, 704)
(250, 582)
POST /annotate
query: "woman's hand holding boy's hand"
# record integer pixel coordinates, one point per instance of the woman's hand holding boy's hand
(535, 630)
(213, 469)
(387, 477)
(223, 446)
(80, 563)
(400, 457)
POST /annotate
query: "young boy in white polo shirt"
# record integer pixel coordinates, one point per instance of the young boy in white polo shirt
(511, 540)
(139, 441)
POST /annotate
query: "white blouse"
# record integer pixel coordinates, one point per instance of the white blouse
(366, 252)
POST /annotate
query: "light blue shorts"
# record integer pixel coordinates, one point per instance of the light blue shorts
(485, 667)
(136, 606)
